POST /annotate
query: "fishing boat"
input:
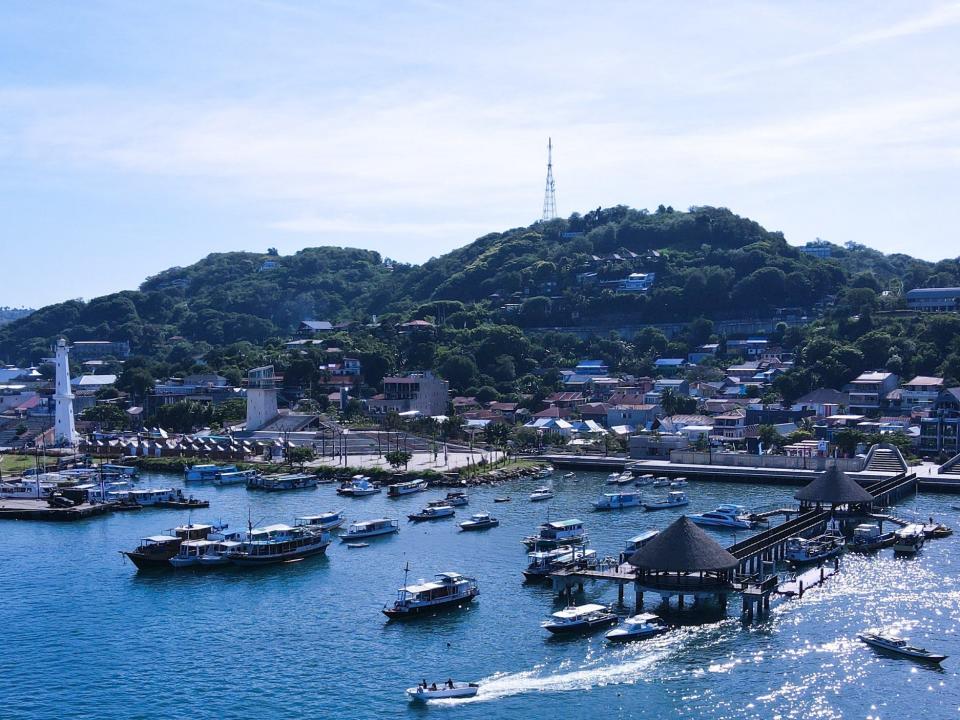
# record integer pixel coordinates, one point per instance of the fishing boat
(554, 533)
(899, 646)
(206, 473)
(287, 481)
(370, 528)
(359, 486)
(156, 550)
(638, 627)
(544, 562)
(447, 590)
(406, 488)
(278, 543)
(909, 539)
(457, 498)
(237, 477)
(448, 690)
(324, 521)
(502, 499)
(803, 551)
(644, 480)
(432, 512)
(540, 494)
(635, 543)
(867, 538)
(618, 501)
(580, 619)
(479, 521)
(679, 482)
(674, 498)
(725, 516)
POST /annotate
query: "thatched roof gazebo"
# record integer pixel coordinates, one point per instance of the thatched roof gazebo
(833, 487)
(684, 559)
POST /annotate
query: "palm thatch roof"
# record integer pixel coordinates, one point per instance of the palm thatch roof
(833, 487)
(683, 547)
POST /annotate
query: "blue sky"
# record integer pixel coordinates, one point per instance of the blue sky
(136, 136)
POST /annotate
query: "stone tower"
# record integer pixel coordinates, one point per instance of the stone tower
(64, 430)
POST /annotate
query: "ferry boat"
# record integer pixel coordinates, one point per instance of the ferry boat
(448, 690)
(867, 538)
(638, 627)
(580, 619)
(457, 498)
(406, 488)
(635, 543)
(288, 481)
(432, 512)
(544, 562)
(449, 589)
(359, 486)
(156, 550)
(278, 543)
(893, 644)
(540, 494)
(206, 473)
(324, 521)
(675, 498)
(802, 551)
(237, 477)
(909, 539)
(370, 528)
(618, 501)
(726, 516)
(479, 521)
(555, 533)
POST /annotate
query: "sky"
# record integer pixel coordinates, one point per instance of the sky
(139, 136)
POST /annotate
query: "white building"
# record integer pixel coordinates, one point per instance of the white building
(261, 397)
(64, 430)
(421, 392)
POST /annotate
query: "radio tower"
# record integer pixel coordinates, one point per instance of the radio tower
(549, 196)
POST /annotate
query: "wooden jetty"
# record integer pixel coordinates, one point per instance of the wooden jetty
(801, 582)
(31, 509)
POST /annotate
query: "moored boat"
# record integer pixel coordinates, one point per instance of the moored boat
(502, 499)
(624, 478)
(909, 539)
(644, 480)
(555, 533)
(679, 482)
(406, 488)
(618, 501)
(237, 477)
(638, 627)
(191, 551)
(324, 521)
(580, 619)
(278, 543)
(447, 590)
(867, 538)
(540, 494)
(479, 521)
(661, 482)
(432, 512)
(544, 562)
(206, 473)
(456, 498)
(637, 542)
(370, 528)
(726, 516)
(804, 551)
(156, 550)
(675, 498)
(899, 646)
(359, 486)
(286, 481)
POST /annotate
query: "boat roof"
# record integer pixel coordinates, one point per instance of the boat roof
(578, 611)
(480, 516)
(645, 535)
(194, 526)
(644, 617)
(371, 522)
(449, 575)
(279, 527)
(198, 543)
(160, 538)
(562, 524)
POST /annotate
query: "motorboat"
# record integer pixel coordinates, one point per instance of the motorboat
(679, 482)
(893, 644)
(867, 538)
(635, 543)
(146, 496)
(206, 473)
(457, 498)
(545, 472)
(324, 521)
(638, 627)
(540, 494)
(191, 551)
(178, 502)
(286, 481)
(237, 477)
(618, 501)
(359, 486)
(644, 480)
(278, 543)
(448, 589)
(370, 528)
(568, 475)
(156, 550)
(661, 482)
(448, 690)
(620, 478)
(612, 478)
(544, 562)
(554, 533)
(406, 488)
(503, 499)
(219, 553)
(580, 619)
(936, 530)
(803, 551)
(908, 539)
(674, 498)
(726, 516)
(432, 512)
(479, 521)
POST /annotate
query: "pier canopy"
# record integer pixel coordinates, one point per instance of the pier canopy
(833, 487)
(683, 558)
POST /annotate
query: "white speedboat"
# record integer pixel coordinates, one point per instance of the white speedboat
(370, 528)
(449, 690)
(541, 493)
(545, 472)
(432, 512)
(479, 521)
(406, 488)
(726, 516)
(893, 644)
(909, 539)
(803, 551)
(219, 554)
(638, 627)
(359, 486)
(618, 501)
(447, 590)
(675, 498)
(580, 619)
(620, 479)
(191, 551)
(555, 533)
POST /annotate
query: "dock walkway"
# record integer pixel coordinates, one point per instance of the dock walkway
(28, 509)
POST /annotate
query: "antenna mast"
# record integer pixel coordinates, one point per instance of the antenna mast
(549, 196)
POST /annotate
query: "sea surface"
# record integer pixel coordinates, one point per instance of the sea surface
(85, 635)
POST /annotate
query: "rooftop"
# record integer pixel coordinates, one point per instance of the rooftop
(683, 547)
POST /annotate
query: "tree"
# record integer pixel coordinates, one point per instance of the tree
(459, 370)
(108, 415)
(847, 440)
(396, 458)
(136, 380)
(769, 437)
(299, 455)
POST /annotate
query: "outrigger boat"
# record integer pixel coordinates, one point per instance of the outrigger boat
(580, 619)
(675, 498)
(638, 627)
(449, 589)
(449, 690)
(899, 646)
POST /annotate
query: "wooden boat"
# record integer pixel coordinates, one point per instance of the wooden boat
(899, 646)
(155, 551)
(406, 488)
(278, 543)
(446, 591)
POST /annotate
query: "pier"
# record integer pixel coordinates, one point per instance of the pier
(27, 509)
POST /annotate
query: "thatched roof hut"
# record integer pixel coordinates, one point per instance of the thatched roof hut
(682, 548)
(833, 487)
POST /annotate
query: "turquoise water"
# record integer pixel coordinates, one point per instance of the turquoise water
(87, 636)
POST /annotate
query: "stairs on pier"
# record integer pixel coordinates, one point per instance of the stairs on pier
(885, 459)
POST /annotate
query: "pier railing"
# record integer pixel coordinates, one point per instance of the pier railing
(768, 539)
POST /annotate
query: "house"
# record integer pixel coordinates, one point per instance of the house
(656, 446)
(731, 425)
(268, 265)
(551, 425)
(934, 299)
(706, 390)
(669, 366)
(751, 348)
(921, 392)
(640, 416)
(461, 403)
(823, 402)
(637, 282)
(506, 410)
(940, 432)
(702, 353)
(596, 411)
(348, 367)
(417, 326)
(676, 386)
(553, 412)
(869, 389)
(309, 327)
(565, 399)
(592, 368)
(421, 392)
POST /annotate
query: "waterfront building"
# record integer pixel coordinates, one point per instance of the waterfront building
(934, 299)
(832, 487)
(940, 432)
(869, 389)
(421, 392)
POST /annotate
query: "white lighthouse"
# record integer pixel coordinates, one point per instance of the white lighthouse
(64, 431)
(261, 397)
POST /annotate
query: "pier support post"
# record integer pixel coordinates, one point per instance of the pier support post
(639, 599)
(620, 594)
(680, 600)
(723, 601)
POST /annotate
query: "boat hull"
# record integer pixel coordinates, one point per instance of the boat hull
(262, 560)
(468, 527)
(459, 691)
(152, 561)
(369, 534)
(580, 628)
(624, 637)
(418, 610)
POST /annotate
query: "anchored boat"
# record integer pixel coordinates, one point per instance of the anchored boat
(479, 521)
(675, 498)
(580, 619)
(867, 538)
(638, 627)
(909, 539)
(278, 543)
(727, 516)
(803, 551)
(447, 590)
(541, 493)
(359, 486)
(324, 521)
(618, 501)
(899, 646)
(432, 512)
(156, 550)
(544, 562)
(556, 533)
(370, 528)
(406, 488)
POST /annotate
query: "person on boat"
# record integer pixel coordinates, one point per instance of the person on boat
(433, 687)
(424, 684)
(450, 683)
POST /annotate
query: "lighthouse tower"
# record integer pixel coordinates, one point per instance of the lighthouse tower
(65, 432)
(261, 397)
